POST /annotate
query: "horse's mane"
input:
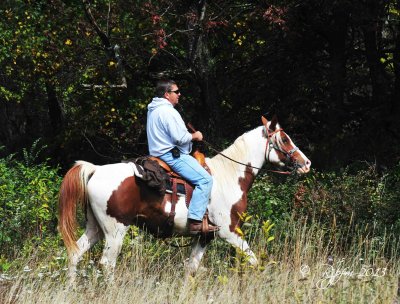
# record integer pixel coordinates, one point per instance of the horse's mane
(239, 151)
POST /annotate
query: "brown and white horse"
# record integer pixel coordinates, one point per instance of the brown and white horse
(115, 199)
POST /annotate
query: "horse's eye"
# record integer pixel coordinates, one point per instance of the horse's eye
(285, 140)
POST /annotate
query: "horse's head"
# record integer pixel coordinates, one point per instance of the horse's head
(281, 150)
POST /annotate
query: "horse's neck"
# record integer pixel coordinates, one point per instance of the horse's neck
(247, 150)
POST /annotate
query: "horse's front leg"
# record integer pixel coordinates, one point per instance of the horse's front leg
(198, 250)
(240, 243)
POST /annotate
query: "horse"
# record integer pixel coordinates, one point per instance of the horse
(113, 198)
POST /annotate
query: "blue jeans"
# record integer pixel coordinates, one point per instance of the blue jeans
(188, 167)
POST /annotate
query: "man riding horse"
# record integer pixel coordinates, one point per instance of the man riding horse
(114, 196)
(169, 140)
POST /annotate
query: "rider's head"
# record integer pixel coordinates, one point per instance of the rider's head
(169, 90)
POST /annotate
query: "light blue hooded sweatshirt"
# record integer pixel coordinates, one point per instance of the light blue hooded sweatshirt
(166, 129)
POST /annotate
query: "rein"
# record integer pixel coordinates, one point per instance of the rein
(240, 163)
(266, 148)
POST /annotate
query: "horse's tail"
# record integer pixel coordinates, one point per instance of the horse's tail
(73, 191)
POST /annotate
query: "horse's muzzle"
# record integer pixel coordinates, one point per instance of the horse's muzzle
(305, 168)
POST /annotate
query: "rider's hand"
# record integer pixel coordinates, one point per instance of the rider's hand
(197, 136)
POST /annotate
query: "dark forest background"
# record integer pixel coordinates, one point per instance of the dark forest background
(78, 74)
(76, 77)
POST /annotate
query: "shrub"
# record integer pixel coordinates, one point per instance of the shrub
(360, 198)
(271, 197)
(28, 198)
(333, 198)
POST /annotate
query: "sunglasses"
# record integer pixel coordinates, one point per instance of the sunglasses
(176, 92)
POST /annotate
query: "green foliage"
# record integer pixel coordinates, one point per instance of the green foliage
(29, 157)
(28, 198)
(335, 198)
(271, 197)
(345, 198)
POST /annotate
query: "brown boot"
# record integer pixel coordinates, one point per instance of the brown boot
(196, 227)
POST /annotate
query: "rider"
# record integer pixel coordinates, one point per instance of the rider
(170, 141)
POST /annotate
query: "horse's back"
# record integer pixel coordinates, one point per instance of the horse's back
(115, 193)
(107, 179)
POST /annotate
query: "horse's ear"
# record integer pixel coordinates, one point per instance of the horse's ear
(274, 122)
(264, 121)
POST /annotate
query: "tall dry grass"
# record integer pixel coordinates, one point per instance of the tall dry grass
(304, 264)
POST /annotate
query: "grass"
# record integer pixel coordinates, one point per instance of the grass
(303, 264)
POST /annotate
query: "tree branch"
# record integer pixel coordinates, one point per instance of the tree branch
(103, 36)
(201, 11)
(113, 52)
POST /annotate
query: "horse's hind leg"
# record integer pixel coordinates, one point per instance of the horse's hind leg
(198, 250)
(90, 237)
(114, 235)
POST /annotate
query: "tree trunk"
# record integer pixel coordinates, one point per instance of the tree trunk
(376, 71)
(395, 101)
(12, 125)
(372, 32)
(201, 62)
(337, 50)
(55, 112)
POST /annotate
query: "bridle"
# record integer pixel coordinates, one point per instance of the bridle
(270, 144)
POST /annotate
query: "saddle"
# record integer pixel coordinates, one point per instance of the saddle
(196, 154)
(173, 185)
(176, 185)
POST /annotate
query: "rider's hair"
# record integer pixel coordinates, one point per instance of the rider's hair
(163, 86)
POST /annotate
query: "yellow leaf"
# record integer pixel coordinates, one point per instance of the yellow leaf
(239, 231)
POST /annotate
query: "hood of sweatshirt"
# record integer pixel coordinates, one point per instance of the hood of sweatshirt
(157, 102)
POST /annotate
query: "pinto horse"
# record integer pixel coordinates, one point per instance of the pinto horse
(114, 199)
